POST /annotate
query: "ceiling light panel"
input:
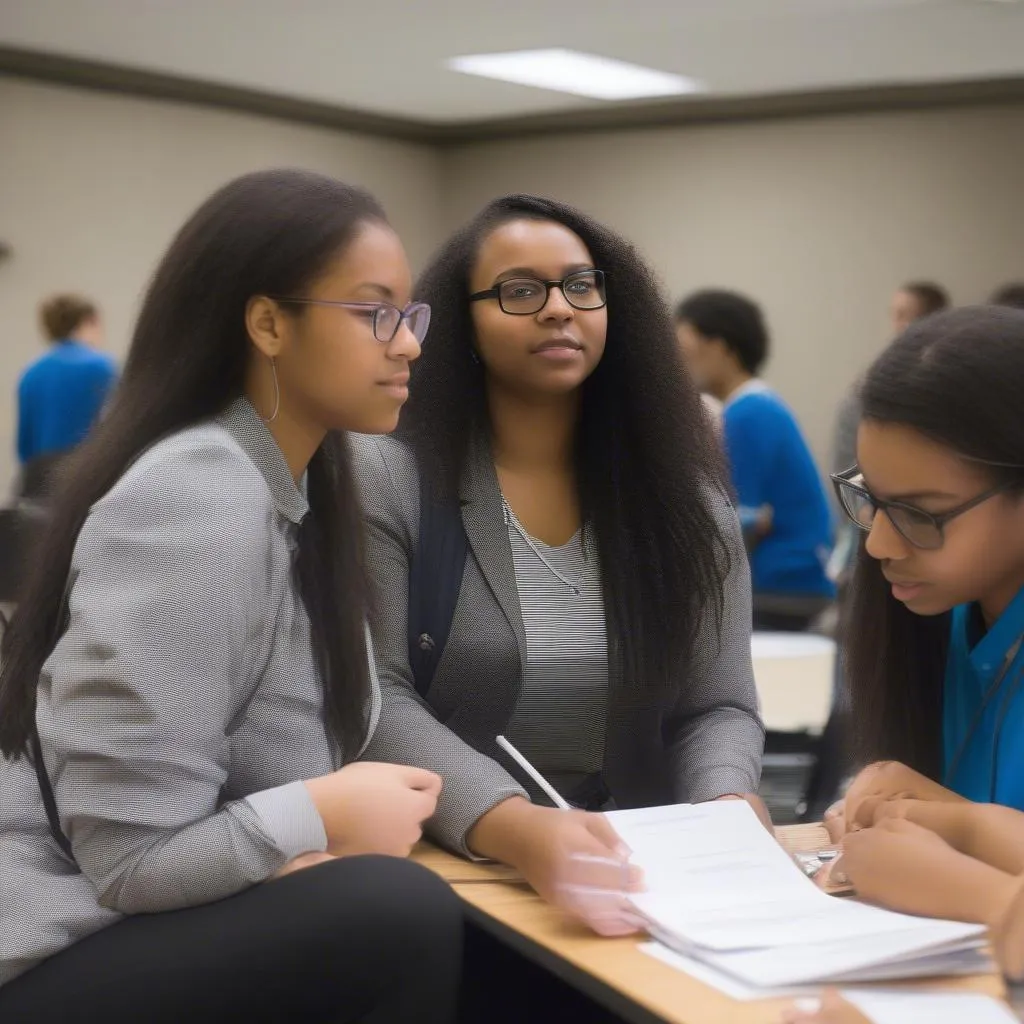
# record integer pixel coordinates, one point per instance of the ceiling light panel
(581, 74)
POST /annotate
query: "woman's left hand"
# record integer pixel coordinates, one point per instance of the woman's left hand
(833, 1009)
(884, 780)
(904, 867)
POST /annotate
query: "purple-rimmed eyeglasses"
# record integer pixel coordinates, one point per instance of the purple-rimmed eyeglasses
(385, 317)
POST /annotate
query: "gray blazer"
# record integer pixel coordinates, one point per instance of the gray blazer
(180, 706)
(704, 744)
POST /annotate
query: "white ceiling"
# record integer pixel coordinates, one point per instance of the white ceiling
(385, 56)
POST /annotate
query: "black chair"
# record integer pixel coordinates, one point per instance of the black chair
(789, 613)
(20, 528)
(39, 476)
(788, 766)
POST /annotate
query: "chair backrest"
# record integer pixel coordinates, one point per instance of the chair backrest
(20, 526)
(39, 475)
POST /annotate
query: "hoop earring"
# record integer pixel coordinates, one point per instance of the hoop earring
(277, 394)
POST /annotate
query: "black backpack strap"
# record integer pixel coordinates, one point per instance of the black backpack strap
(49, 801)
(435, 579)
(45, 786)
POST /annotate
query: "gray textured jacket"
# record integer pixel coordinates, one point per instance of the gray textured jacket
(179, 707)
(704, 743)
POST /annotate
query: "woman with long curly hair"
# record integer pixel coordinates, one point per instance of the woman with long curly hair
(603, 616)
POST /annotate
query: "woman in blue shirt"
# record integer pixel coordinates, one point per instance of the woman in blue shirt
(934, 639)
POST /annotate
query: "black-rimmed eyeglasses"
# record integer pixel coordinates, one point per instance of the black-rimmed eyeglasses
(918, 528)
(521, 296)
(385, 318)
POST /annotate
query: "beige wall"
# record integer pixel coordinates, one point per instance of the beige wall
(818, 219)
(92, 187)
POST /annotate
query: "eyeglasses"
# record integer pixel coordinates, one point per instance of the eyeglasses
(521, 296)
(386, 318)
(918, 528)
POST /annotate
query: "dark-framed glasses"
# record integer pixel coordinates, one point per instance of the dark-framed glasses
(385, 318)
(521, 296)
(918, 528)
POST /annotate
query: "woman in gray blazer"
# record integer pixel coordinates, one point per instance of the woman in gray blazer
(185, 684)
(603, 620)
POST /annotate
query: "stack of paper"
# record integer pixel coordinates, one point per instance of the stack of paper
(721, 890)
(933, 1007)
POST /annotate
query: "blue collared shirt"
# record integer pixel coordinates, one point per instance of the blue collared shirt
(983, 741)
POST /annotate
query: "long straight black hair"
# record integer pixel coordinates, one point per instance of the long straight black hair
(957, 378)
(268, 233)
(647, 457)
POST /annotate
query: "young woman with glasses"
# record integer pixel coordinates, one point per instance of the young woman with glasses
(603, 620)
(934, 640)
(186, 681)
(934, 650)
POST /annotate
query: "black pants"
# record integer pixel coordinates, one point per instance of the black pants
(503, 986)
(372, 940)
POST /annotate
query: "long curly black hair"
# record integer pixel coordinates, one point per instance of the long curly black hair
(648, 462)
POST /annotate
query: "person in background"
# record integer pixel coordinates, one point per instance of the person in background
(910, 303)
(61, 394)
(1011, 294)
(555, 417)
(782, 501)
(914, 300)
(934, 647)
(186, 683)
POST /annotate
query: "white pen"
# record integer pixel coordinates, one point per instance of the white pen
(552, 793)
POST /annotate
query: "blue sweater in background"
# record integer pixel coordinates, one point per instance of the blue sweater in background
(772, 465)
(59, 398)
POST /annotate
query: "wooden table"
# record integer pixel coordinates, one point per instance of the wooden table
(614, 973)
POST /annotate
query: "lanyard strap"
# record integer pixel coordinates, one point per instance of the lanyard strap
(990, 693)
(45, 786)
(49, 801)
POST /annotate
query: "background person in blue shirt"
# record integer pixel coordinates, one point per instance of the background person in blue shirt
(781, 496)
(934, 657)
(61, 394)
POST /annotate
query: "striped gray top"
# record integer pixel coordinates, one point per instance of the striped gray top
(559, 722)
